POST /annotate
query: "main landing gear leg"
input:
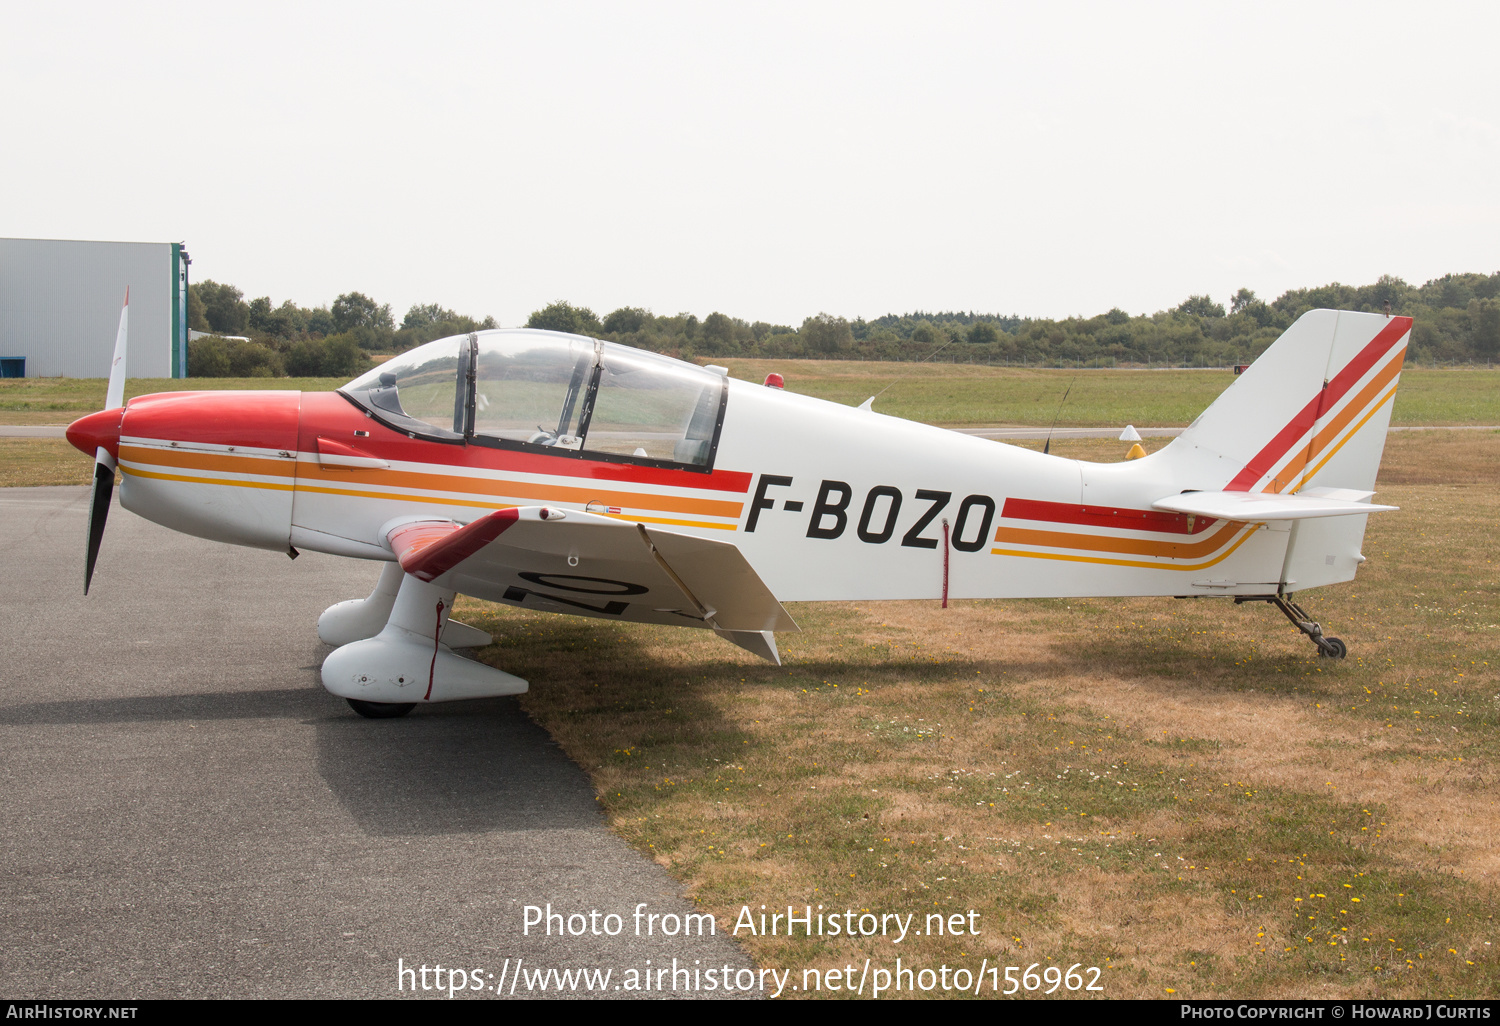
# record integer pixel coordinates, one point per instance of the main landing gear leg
(1333, 648)
(356, 619)
(409, 661)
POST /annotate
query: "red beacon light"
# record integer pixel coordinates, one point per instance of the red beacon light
(774, 380)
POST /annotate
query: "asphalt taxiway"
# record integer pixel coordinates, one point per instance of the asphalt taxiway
(189, 814)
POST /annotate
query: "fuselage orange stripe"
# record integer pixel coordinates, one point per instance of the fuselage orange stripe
(1101, 543)
(521, 490)
(393, 497)
(308, 472)
(187, 459)
(1126, 562)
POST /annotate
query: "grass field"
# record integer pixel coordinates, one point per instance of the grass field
(33, 401)
(954, 395)
(957, 395)
(1176, 792)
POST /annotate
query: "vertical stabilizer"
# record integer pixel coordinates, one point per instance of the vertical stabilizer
(1310, 415)
(1312, 411)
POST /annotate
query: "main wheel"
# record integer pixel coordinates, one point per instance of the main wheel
(380, 710)
(1336, 648)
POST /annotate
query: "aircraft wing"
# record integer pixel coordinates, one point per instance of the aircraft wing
(1255, 507)
(568, 561)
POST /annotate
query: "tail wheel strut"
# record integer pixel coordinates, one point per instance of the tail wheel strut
(1332, 648)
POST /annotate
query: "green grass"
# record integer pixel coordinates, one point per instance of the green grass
(949, 394)
(962, 395)
(64, 400)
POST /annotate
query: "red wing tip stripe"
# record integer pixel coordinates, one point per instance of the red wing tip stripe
(428, 550)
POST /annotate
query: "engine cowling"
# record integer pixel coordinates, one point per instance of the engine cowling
(220, 465)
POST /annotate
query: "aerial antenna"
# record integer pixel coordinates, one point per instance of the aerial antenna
(870, 402)
(1048, 446)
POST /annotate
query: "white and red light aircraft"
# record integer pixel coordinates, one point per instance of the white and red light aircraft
(566, 474)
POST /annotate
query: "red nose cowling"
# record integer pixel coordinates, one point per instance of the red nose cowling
(96, 431)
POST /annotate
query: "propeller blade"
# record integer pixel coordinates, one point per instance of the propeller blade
(104, 487)
(104, 463)
(115, 396)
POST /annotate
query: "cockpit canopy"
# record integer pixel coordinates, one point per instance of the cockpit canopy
(553, 393)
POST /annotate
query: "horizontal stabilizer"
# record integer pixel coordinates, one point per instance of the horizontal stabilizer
(1255, 507)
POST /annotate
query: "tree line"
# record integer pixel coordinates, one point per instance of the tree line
(1457, 319)
(326, 341)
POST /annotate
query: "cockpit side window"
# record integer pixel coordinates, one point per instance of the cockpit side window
(533, 388)
(546, 392)
(651, 408)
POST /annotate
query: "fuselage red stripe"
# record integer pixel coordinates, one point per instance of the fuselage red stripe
(1327, 397)
(1104, 516)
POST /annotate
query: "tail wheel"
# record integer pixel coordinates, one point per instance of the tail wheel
(380, 710)
(1333, 648)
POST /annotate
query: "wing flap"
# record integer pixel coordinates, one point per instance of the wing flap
(569, 561)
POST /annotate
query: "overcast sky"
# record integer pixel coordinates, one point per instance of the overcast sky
(767, 160)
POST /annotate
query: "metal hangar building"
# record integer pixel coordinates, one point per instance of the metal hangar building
(60, 307)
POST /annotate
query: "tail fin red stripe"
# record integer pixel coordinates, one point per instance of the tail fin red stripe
(1337, 387)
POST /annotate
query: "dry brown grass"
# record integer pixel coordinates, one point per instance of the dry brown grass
(1440, 457)
(34, 462)
(1148, 786)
